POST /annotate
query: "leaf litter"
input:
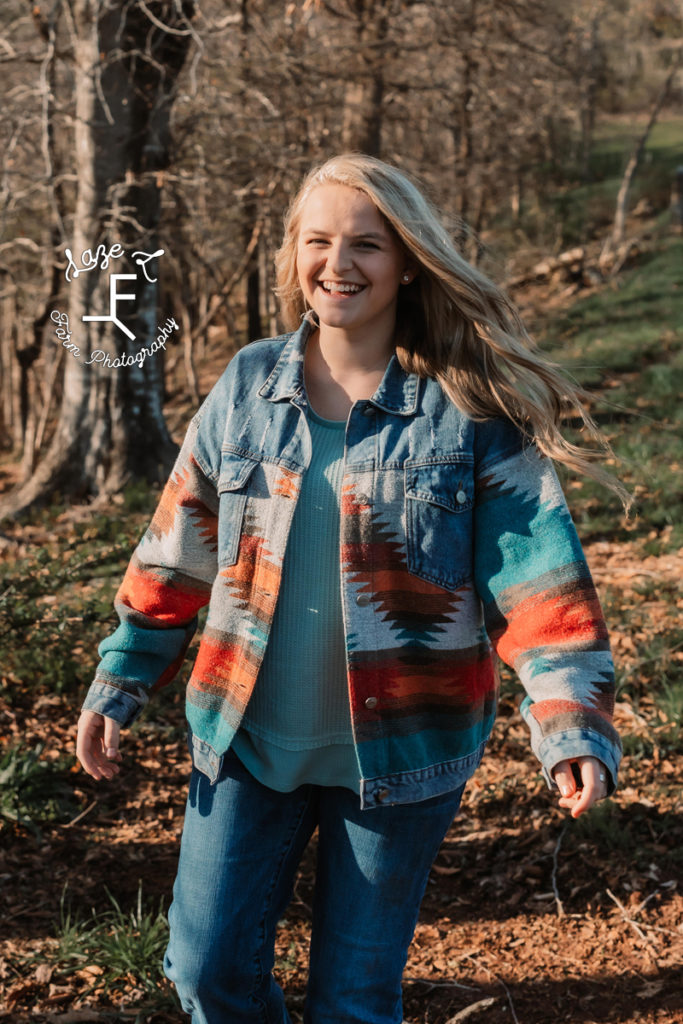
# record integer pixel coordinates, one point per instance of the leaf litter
(527, 916)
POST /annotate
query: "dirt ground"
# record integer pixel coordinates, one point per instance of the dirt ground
(528, 917)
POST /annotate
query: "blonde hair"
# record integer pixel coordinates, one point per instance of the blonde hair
(453, 323)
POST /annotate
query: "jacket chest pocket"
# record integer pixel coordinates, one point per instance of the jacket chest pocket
(233, 485)
(439, 509)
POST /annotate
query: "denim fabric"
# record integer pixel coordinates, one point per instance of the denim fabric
(240, 850)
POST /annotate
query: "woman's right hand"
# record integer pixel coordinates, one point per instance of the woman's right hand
(97, 746)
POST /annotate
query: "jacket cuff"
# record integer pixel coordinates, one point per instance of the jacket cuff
(579, 743)
(108, 700)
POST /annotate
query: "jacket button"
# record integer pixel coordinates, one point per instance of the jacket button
(461, 497)
(382, 795)
(368, 410)
(362, 499)
(362, 600)
(371, 702)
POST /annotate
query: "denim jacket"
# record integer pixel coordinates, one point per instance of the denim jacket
(456, 546)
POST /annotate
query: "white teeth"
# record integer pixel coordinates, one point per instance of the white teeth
(338, 286)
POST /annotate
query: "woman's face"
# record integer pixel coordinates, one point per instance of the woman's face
(349, 262)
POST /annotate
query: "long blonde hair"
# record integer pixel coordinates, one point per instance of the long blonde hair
(453, 323)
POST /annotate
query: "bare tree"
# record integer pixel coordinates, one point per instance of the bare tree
(616, 237)
(125, 60)
(490, 102)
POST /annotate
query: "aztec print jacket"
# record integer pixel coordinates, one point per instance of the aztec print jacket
(456, 545)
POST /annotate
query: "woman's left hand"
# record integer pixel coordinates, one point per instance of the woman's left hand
(578, 797)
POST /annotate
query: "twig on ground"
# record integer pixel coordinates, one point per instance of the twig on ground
(442, 984)
(79, 817)
(471, 1010)
(629, 920)
(643, 904)
(664, 931)
(500, 982)
(626, 916)
(556, 857)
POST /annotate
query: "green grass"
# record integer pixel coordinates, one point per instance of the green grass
(56, 598)
(634, 323)
(120, 948)
(614, 142)
(118, 953)
(637, 831)
(669, 703)
(560, 209)
(625, 344)
(34, 790)
(583, 207)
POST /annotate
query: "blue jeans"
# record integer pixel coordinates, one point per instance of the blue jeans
(241, 846)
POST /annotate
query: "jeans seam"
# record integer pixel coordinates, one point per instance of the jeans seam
(286, 848)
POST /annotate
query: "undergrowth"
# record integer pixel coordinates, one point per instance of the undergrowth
(57, 594)
(626, 344)
(34, 790)
(115, 949)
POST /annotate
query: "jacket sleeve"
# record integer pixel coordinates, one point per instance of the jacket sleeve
(168, 580)
(541, 609)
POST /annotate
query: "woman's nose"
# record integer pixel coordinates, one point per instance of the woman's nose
(339, 258)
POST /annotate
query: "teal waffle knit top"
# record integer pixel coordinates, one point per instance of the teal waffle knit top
(297, 725)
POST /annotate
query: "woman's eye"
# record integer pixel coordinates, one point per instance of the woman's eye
(368, 245)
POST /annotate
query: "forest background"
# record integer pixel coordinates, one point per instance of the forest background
(172, 132)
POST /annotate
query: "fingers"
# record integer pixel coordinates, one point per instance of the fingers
(582, 782)
(564, 777)
(97, 745)
(112, 731)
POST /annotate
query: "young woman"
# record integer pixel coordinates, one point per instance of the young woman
(368, 506)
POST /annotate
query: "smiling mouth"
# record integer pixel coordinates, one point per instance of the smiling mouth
(341, 287)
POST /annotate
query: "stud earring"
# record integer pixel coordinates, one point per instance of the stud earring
(406, 278)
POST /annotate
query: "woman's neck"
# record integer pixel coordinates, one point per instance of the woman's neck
(339, 371)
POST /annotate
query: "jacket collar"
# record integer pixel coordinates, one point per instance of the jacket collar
(397, 392)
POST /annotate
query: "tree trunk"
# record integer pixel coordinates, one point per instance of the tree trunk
(466, 167)
(9, 413)
(364, 101)
(27, 356)
(588, 88)
(111, 425)
(677, 200)
(616, 237)
(251, 212)
(254, 328)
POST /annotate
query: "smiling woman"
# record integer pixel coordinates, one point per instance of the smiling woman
(366, 507)
(350, 266)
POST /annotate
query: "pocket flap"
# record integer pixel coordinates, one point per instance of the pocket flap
(235, 471)
(448, 484)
